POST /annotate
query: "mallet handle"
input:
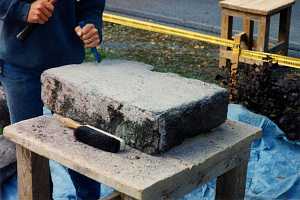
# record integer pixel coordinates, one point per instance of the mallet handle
(23, 35)
(94, 50)
(70, 123)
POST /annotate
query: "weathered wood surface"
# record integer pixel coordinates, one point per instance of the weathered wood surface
(7, 159)
(113, 196)
(263, 34)
(33, 175)
(263, 7)
(117, 196)
(226, 32)
(134, 173)
(232, 184)
(284, 29)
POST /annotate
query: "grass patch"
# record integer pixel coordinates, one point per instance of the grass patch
(188, 58)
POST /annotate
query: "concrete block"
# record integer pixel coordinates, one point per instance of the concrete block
(152, 111)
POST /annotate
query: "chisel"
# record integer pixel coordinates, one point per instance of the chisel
(92, 136)
(94, 50)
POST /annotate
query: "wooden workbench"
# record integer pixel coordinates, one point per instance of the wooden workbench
(222, 153)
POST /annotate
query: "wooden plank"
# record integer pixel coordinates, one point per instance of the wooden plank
(284, 29)
(117, 196)
(197, 175)
(232, 184)
(125, 197)
(134, 173)
(33, 175)
(248, 27)
(228, 55)
(113, 196)
(237, 13)
(233, 91)
(263, 34)
(226, 32)
(263, 7)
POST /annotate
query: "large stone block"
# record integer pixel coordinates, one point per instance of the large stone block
(152, 111)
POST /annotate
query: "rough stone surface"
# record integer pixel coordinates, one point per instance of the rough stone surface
(7, 159)
(152, 111)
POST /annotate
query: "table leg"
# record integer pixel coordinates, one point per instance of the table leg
(117, 196)
(33, 175)
(125, 197)
(113, 196)
(284, 29)
(232, 184)
(263, 34)
(226, 32)
(248, 27)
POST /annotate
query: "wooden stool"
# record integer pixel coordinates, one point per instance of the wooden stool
(222, 153)
(258, 11)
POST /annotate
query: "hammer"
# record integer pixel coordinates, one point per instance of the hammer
(26, 31)
(92, 136)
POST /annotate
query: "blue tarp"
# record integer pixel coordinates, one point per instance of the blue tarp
(273, 170)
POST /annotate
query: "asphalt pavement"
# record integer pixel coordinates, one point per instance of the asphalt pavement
(201, 15)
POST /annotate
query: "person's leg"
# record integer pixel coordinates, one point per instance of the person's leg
(23, 92)
(86, 188)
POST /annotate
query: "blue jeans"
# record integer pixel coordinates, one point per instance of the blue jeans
(23, 92)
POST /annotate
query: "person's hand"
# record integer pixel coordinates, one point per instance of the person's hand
(40, 11)
(89, 35)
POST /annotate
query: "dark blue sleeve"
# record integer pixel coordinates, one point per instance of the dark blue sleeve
(14, 9)
(90, 11)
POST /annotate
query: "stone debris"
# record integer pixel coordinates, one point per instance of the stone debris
(152, 111)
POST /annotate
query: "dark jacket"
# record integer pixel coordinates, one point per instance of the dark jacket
(50, 45)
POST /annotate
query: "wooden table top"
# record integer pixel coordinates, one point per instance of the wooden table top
(263, 7)
(132, 172)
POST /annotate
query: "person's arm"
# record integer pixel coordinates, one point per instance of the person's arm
(14, 9)
(90, 11)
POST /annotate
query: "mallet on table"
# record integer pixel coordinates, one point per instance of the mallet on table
(92, 136)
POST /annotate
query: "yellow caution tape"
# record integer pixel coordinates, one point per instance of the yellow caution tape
(150, 26)
(275, 58)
